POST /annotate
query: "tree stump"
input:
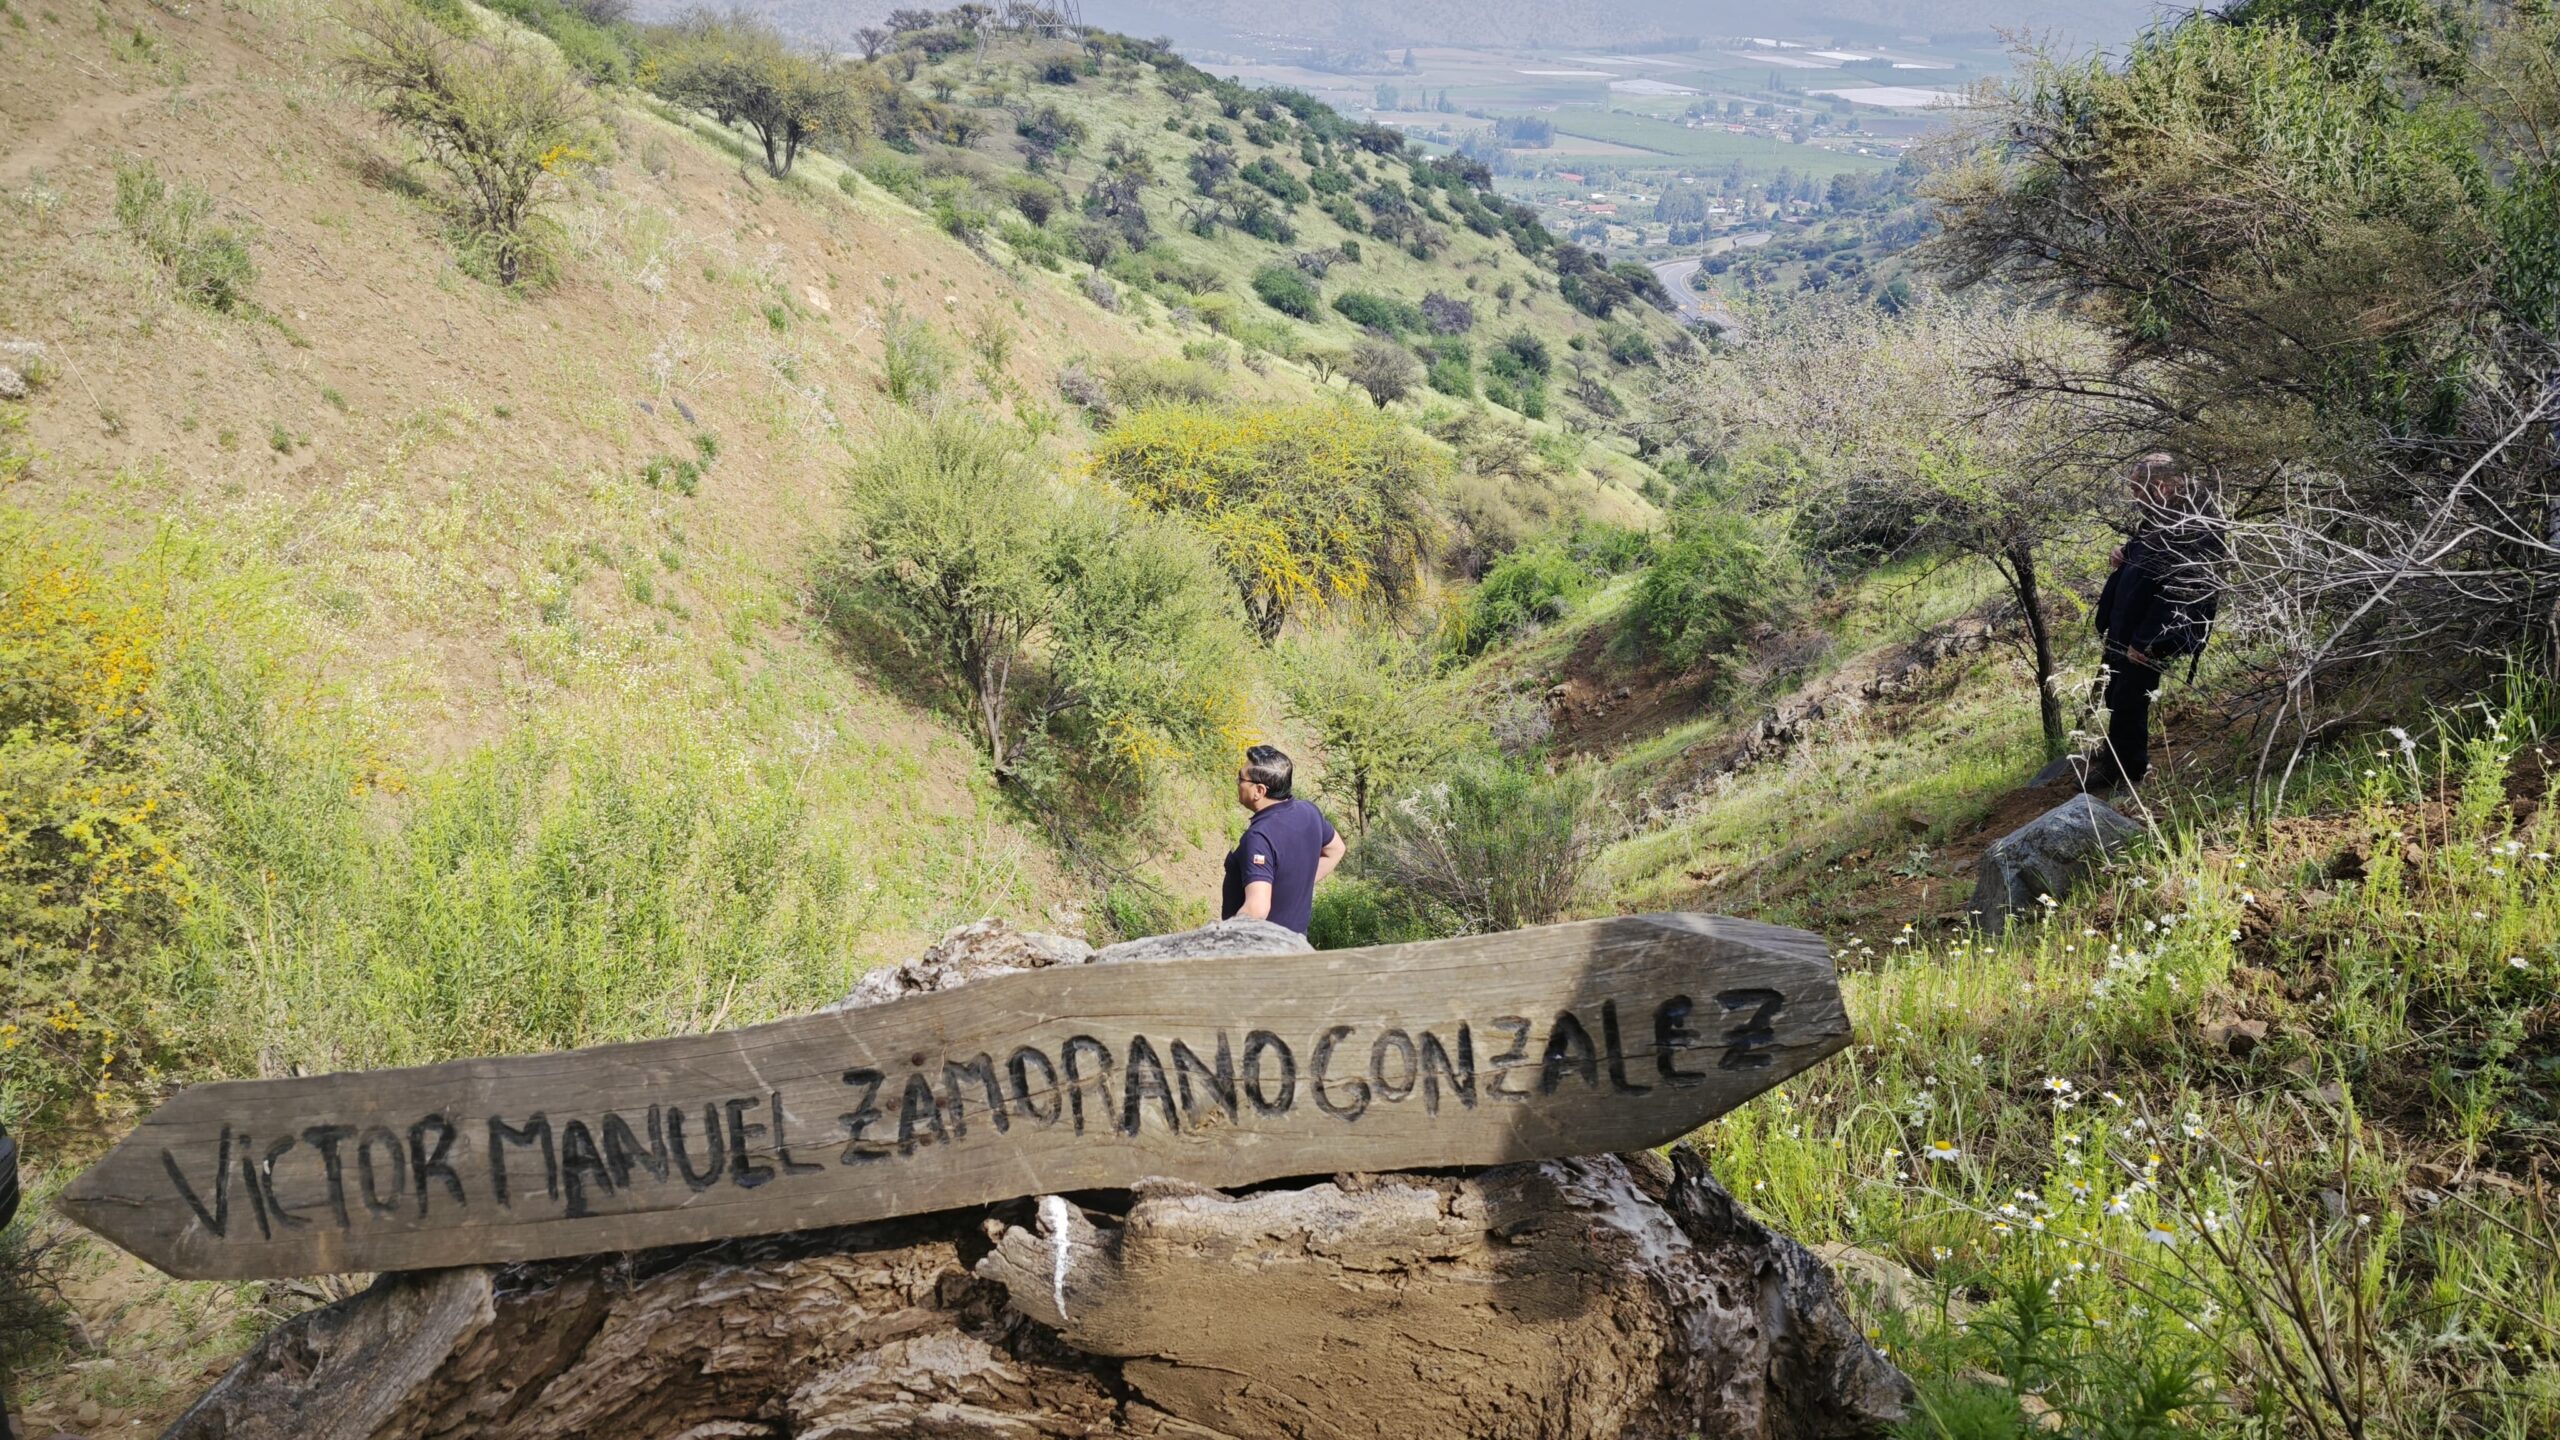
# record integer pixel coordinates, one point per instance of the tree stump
(1595, 1297)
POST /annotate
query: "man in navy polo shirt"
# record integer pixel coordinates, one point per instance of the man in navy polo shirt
(1287, 847)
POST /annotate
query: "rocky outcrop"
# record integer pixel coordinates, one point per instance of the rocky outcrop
(1596, 1297)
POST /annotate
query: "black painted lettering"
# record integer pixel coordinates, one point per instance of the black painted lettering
(1618, 1081)
(718, 1157)
(377, 1200)
(1500, 1066)
(745, 1173)
(622, 1149)
(919, 1112)
(326, 1139)
(1408, 1066)
(1671, 1035)
(217, 1219)
(1256, 1045)
(581, 1162)
(1568, 1044)
(1141, 1079)
(425, 1164)
(1316, 1075)
(1747, 1045)
(982, 1070)
(1075, 1045)
(782, 1144)
(1027, 1093)
(249, 1182)
(864, 1112)
(1461, 1074)
(537, 1129)
(267, 1183)
(1219, 1081)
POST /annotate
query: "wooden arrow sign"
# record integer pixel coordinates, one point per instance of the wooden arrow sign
(1572, 1039)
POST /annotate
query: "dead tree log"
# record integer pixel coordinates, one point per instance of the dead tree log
(1595, 1297)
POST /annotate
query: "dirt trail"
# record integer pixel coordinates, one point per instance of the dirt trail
(53, 140)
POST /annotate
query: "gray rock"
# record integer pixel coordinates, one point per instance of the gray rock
(991, 947)
(1226, 937)
(2069, 770)
(2047, 856)
(13, 386)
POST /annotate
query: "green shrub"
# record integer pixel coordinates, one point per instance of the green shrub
(1145, 384)
(503, 123)
(1450, 367)
(894, 173)
(1626, 344)
(174, 224)
(1285, 290)
(1524, 590)
(1091, 646)
(1378, 312)
(1495, 846)
(1711, 579)
(1270, 177)
(913, 364)
(1352, 912)
(1036, 244)
(1381, 715)
(958, 208)
(1603, 548)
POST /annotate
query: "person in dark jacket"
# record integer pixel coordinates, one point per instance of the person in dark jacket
(2158, 606)
(1287, 847)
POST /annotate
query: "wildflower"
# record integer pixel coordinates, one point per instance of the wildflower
(2057, 1085)
(2159, 1234)
(2517, 961)
(1941, 1254)
(2248, 897)
(2000, 1227)
(2036, 1223)
(2119, 1204)
(2112, 1098)
(2080, 1190)
(1942, 1150)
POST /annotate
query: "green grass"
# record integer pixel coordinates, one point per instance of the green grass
(2149, 1206)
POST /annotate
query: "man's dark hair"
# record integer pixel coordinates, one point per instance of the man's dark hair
(1265, 766)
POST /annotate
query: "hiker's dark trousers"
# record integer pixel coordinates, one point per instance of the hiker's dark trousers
(2128, 699)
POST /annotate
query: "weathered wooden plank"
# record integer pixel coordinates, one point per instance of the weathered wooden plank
(1572, 1039)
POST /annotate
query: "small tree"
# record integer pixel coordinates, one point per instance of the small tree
(1311, 505)
(740, 72)
(496, 117)
(1908, 432)
(1383, 368)
(1381, 714)
(1091, 643)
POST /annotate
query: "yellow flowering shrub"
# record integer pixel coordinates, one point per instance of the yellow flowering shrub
(89, 875)
(1307, 505)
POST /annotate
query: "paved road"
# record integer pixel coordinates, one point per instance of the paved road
(1675, 276)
